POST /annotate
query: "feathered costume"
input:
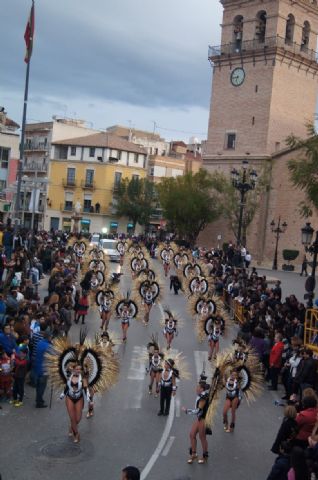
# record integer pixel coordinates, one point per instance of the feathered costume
(98, 365)
(245, 361)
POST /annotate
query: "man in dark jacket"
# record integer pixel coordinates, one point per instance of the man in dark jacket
(41, 376)
(307, 370)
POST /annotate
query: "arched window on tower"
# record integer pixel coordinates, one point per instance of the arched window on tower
(290, 25)
(305, 36)
(260, 29)
(238, 32)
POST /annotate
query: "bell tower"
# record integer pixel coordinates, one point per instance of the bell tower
(264, 78)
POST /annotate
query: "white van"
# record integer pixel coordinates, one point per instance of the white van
(109, 248)
(95, 240)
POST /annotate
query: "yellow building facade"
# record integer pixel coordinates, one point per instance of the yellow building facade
(86, 172)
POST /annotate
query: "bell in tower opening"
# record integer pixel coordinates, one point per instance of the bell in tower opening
(260, 30)
(238, 33)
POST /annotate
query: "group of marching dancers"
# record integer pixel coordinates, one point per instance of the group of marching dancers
(87, 368)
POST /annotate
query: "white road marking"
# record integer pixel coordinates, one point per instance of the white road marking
(178, 407)
(200, 358)
(133, 401)
(168, 446)
(154, 457)
(137, 369)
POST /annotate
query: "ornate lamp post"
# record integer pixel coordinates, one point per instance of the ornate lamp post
(307, 233)
(243, 181)
(277, 229)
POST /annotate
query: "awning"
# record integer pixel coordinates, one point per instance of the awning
(85, 221)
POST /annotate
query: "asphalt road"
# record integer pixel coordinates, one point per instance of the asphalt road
(126, 429)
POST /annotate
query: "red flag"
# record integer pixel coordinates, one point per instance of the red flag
(28, 35)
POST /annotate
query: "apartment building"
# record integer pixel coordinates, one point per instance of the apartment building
(87, 171)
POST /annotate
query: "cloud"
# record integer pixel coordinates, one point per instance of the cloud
(142, 53)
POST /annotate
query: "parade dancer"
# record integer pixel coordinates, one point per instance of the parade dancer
(155, 365)
(232, 400)
(168, 386)
(126, 310)
(239, 371)
(170, 328)
(104, 300)
(149, 291)
(216, 328)
(81, 370)
(199, 426)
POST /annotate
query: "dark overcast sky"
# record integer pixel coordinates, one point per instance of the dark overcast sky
(112, 61)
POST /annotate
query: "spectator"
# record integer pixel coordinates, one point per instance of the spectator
(8, 341)
(288, 429)
(41, 376)
(306, 420)
(275, 360)
(130, 473)
(306, 371)
(5, 375)
(281, 466)
(19, 374)
(299, 469)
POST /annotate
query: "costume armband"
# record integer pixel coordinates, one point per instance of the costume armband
(174, 388)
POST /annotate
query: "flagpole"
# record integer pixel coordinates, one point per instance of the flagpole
(20, 163)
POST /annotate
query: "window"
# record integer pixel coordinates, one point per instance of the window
(63, 152)
(231, 141)
(152, 171)
(305, 36)
(92, 151)
(238, 32)
(87, 207)
(119, 154)
(290, 25)
(71, 176)
(89, 178)
(256, 88)
(4, 157)
(253, 120)
(68, 204)
(117, 179)
(135, 177)
(73, 151)
(136, 158)
(261, 26)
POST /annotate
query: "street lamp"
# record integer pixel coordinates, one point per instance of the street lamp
(307, 233)
(243, 181)
(277, 229)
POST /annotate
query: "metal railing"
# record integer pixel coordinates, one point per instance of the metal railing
(42, 146)
(237, 311)
(70, 183)
(34, 167)
(311, 329)
(88, 185)
(66, 208)
(237, 48)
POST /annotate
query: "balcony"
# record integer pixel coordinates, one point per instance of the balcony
(156, 214)
(36, 146)
(35, 167)
(66, 208)
(255, 46)
(87, 211)
(69, 182)
(88, 185)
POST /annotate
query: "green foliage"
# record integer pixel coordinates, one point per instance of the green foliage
(304, 171)
(189, 203)
(290, 255)
(135, 200)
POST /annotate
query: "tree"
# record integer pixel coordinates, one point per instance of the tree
(230, 201)
(189, 203)
(135, 200)
(304, 171)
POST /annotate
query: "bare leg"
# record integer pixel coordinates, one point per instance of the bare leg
(193, 441)
(226, 408)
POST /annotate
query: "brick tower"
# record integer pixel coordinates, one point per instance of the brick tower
(264, 83)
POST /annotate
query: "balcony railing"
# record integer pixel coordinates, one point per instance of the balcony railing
(35, 167)
(85, 210)
(69, 183)
(66, 208)
(88, 185)
(39, 146)
(255, 45)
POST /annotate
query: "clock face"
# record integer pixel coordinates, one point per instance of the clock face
(237, 76)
